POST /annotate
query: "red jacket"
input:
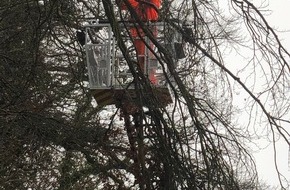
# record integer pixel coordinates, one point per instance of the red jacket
(147, 10)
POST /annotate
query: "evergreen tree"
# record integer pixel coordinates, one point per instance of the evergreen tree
(52, 136)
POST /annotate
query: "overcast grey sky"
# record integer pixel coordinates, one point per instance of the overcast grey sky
(279, 18)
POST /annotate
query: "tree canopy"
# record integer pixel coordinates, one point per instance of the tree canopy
(53, 136)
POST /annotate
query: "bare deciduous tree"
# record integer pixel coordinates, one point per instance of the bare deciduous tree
(53, 137)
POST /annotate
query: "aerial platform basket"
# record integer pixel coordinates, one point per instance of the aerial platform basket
(109, 75)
